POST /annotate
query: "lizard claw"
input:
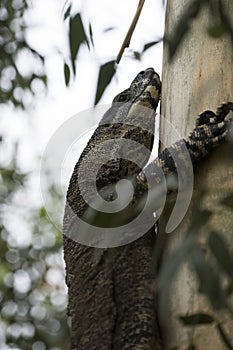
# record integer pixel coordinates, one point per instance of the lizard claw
(223, 110)
(206, 117)
(209, 117)
(211, 131)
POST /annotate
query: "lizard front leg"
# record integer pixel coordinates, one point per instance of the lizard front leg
(210, 132)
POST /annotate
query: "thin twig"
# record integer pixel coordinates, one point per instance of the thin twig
(129, 34)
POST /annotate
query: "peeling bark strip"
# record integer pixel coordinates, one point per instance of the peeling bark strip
(112, 290)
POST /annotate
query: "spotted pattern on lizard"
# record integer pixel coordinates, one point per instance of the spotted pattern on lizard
(112, 301)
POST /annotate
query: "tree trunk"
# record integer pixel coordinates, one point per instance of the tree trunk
(198, 78)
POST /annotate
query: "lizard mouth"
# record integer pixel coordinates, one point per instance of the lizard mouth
(144, 82)
(146, 88)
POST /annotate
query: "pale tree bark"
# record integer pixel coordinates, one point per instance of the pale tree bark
(200, 77)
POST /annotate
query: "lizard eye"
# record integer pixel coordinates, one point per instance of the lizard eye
(123, 98)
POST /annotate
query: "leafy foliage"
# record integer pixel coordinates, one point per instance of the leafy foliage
(67, 13)
(33, 302)
(212, 265)
(220, 23)
(205, 319)
(197, 319)
(221, 252)
(13, 82)
(77, 36)
(209, 280)
(224, 337)
(67, 74)
(228, 201)
(149, 45)
(106, 73)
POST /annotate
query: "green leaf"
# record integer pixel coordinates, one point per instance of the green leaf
(42, 213)
(186, 249)
(109, 29)
(67, 74)
(221, 252)
(200, 219)
(106, 73)
(171, 267)
(224, 337)
(67, 13)
(191, 347)
(196, 319)
(228, 201)
(209, 282)
(226, 20)
(137, 55)
(91, 34)
(183, 26)
(149, 45)
(43, 79)
(216, 31)
(77, 36)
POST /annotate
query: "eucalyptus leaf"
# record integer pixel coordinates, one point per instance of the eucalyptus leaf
(91, 34)
(221, 252)
(149, 45)
(67, 13)
(67, 74)
(216, 31)
(226, 20)
(106, 73)
(186, 249)
(209, 281)
(77, 36)
(42, 213)
(171, 267)
(196, 319)
(183, 26)
(228, 201)
(224, 337)
(137, 55)
(109, 29)
(191, 347)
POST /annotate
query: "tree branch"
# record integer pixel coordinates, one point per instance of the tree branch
(129, 34)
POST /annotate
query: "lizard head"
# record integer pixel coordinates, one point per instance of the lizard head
(144, 91)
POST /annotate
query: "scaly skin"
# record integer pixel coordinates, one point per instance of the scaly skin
(109, 308)
(112, 291)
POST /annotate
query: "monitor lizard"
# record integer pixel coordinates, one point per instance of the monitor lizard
(112, 297)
